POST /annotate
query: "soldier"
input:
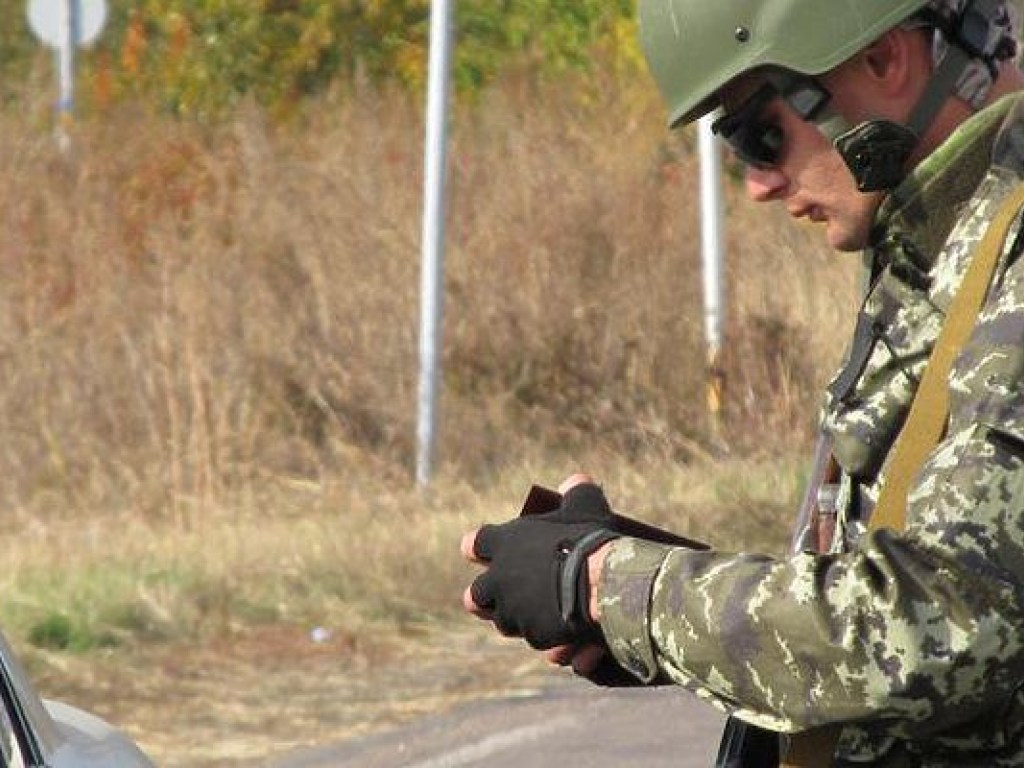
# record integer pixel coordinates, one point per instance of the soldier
(899, 126)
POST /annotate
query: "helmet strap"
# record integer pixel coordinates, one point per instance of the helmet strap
(877, 151)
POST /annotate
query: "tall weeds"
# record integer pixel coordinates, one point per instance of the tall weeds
(189, 311)
(217, 325)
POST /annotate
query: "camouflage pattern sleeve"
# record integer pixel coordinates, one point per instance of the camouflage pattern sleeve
(894, 632)
(918, 634)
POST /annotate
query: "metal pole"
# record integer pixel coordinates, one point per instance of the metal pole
(432, 285)
(69, 36)
(712, 248)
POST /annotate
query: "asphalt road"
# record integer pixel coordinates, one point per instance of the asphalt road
(570, 725)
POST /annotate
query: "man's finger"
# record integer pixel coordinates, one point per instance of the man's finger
(587, 658)
(560, 655)
(468, 547)
(484, 542)
(470, 605)
(573, 480)
(482, 593)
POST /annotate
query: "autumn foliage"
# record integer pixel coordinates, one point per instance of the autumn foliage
(200, 57)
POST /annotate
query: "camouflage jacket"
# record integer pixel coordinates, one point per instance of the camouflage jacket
(913, 640)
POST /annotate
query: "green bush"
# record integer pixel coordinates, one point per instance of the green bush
(201, 56)
(60, 632)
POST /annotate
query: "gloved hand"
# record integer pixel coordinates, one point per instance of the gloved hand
(535, 585)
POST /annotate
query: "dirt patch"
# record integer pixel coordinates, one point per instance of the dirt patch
(260, 694)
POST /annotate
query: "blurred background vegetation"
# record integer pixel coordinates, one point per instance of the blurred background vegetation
(237, 161)
(199, 57)
(209, 309)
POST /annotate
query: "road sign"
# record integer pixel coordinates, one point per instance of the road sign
(49, 20)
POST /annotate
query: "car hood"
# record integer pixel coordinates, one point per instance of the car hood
(86, 741)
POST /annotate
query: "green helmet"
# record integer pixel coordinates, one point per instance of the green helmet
(694, 47)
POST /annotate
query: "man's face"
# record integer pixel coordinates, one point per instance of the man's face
(805, 173)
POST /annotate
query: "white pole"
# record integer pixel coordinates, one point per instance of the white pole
(712, 248)
(432, 284)
(69, 35)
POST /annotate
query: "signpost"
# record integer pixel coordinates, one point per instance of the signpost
(432, 283)
(712, 215)
(65, 25)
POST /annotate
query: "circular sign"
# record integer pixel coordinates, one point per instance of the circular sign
(50, 20)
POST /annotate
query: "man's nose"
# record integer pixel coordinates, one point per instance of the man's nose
(765, 184)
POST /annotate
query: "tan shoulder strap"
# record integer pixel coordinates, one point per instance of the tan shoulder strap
(925, 425)
(929, 412)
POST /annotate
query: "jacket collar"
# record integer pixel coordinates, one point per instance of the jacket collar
(916, 219)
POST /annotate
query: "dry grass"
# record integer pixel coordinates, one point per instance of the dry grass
(208, 342)
(192, 312)
(212, 662)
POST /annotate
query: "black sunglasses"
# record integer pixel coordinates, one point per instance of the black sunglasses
(758, 141)
(754, 140)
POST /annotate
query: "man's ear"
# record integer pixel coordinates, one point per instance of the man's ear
(893, 62)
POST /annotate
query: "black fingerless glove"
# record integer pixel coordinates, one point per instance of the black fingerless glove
(536, 584)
